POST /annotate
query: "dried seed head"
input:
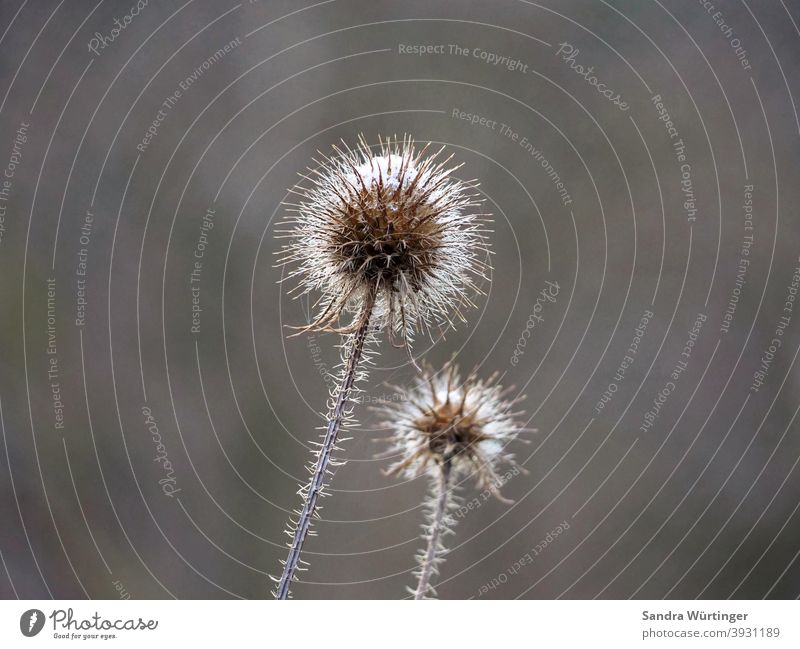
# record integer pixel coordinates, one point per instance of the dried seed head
(441, 418)
(396, 225)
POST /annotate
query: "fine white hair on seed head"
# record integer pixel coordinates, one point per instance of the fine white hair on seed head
(441, 418)
(395, 225)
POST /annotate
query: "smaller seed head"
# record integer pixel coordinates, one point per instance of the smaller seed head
(442, 418)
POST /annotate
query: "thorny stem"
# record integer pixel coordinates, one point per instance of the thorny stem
(336, 417)
(438, 527)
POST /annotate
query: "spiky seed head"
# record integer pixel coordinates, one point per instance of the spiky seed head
(395, 226)
(469, 423)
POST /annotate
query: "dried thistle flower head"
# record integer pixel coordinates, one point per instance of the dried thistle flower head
(442, 420)
(395, 230)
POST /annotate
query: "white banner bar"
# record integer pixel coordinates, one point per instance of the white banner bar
(619, 624)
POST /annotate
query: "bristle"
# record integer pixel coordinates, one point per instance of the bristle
(347, 423)
(398, 220)
(392, 238)
(448, 428)
(472, 421)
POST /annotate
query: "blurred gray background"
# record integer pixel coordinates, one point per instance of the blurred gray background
(154, 451)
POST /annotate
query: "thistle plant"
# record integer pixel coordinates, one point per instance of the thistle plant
(448, 430)
(389, 241)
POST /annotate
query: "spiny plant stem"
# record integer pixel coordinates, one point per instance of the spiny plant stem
(438, 527)
(354, 353)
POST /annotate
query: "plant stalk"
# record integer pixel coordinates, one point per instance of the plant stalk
(335, 419)
(438, 528)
